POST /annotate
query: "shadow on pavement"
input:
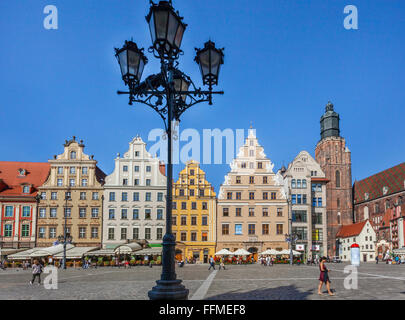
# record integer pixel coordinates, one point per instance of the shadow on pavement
(279, 293)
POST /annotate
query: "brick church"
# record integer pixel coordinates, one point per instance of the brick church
(334, 158)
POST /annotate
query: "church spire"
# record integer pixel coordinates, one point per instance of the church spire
(330, 122)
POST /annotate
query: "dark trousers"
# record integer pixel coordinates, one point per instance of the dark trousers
(36, 275)
(211, 266)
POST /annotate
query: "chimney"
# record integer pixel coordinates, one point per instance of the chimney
(162, 168)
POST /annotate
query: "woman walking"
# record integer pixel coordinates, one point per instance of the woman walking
(324, 277)
(36, 272)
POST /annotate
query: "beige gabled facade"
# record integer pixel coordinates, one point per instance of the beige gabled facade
(252, 205)
(76, 173)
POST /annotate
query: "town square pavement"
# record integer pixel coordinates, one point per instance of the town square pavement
(238, 282)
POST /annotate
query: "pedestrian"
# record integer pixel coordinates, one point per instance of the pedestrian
(324, 277)
(212, 263)
(222, 264)
(36, 272)
(376, 259)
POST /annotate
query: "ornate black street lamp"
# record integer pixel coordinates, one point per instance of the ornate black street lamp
(66, 237)
(169, 92)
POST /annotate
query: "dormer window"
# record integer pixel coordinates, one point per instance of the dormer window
(22, 172)
(73, 155)
(26, 189)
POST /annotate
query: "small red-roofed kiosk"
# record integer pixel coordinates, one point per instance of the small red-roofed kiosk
(355, 254)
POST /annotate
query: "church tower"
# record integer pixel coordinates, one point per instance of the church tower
(334, 158)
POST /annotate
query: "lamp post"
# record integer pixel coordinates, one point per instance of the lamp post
(170, 93)
(290, 237)
(66, 237)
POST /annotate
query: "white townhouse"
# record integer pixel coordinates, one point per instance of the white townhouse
(135, 198)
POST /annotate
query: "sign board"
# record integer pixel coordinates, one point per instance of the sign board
(300, 247)
(316, 247)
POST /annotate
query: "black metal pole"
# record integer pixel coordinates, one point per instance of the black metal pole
(64, 232)
(168, 287)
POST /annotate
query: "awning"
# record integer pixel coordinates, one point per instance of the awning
(149, 252)
(75, 253)
(127, 248)
(400, 251)
(22, 255)
(241, 252)
(6, 252)
(50, 251)
(224, 252)
(269, 252)
(101, 252)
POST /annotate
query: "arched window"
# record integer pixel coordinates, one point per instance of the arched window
(73, 155)
(304, 183)
(338, 218)
(293, 183)
(337, 179)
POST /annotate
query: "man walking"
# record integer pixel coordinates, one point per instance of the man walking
(36, 272)
(212, 263)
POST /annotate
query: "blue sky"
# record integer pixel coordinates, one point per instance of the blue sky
(284, 59)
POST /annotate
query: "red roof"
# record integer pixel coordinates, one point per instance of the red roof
(392, 178)
(13, 175)
(351, 230)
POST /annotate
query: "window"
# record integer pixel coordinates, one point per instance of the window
(317, 218)
(183, 220)
(265, 196)
(72, 170)
(174, 205)
(279, 212)
(279, 229)
(251, 180)
(94, 196)
(42, 212)
(26, 189)
(243, 165)
(124, 196)
(204, 220)
(148, 168)
(135, 214)
(294, 199)
(84, 182)
(191, 172)
(317, 235)
(125, 182)
(68, 212)
(123, 233)
(72, 182)
(68, 195)
(204, 236)
(148, 196)
(53, 212)
(251, 195)
(314, 202)
(110, 233)
(293, 183)
(192, 192)
(193, 236)
(337, 178)
(304, 183)
(25, 230)
(43, 195)
(229, 195)
(160, 196)
(52, 233)
(299, 184)
(82, 195)
(84, 170)
(94, 212)
(181, 192)
(60, 182)
(301, 232)
(60, 170)
(251, 229)
(299, 198)
(201, 192)
(73, 155)
(111, 214)
(41, 233)
(136, 168)
(136, 153)
(135, 233)
(148, 214)
(259, 165)
(204, 206)
(82, 212)
(159, 215)
(264, 180)
(238, 181)
(174, 220)
(273, 196)
(265, 212)
(299, 216)
(136, 182)
(265, 229)
(26, 212)
(148, 182)
(251, 212)
(125, 168)
(238, 195)
(184, 205)
(54, 196)
(238, 212)
(225, 212)
(304, 199)
(225, 229)
(159, 234)
(94, 232)
(319, 202)
(136, 196)
(193, 221)
(82, 232)
(183, 236)
(193, 205)
(147, 233)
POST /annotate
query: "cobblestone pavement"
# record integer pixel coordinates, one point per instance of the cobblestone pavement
(244, 282)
